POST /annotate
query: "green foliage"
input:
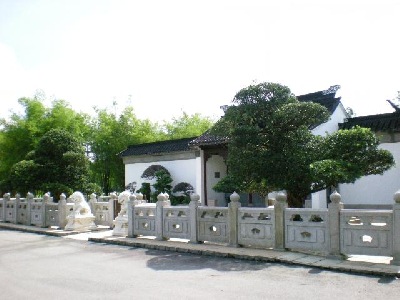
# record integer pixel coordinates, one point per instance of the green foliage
(56, 189)
(111, 134)
(59, 165)
(182, 192)
(178, 200)
(228, 185)
(184, 188)
(271, 146)
(347, 155)
(23, 176)
(20, 134)
(187, 126)
(150, 172)
(104, 136)
(145, 189)
(162, 184)
(91, 188)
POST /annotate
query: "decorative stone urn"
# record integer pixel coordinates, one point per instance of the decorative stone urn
(121, 221)
(81, 217)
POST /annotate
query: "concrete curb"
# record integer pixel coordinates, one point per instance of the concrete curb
(251, 254)
(262, 255)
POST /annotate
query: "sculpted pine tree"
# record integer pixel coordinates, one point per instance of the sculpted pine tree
(271, 146)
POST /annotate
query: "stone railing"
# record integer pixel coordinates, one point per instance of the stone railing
(102, 208)
(332, 232)
(42, 212)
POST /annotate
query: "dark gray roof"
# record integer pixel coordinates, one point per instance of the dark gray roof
(381, 122)
(325, 98)
(158, 147)
(208, 139)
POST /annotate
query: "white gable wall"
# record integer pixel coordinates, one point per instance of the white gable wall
(184, 170)
(332, 125)
(374, 189)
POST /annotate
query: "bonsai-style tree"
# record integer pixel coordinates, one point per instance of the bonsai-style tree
(162, 184)
(150, 172)
(271, 146)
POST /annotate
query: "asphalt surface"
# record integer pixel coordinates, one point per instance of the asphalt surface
(36, 266)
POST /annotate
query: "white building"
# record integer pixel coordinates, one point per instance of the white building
(201, 161)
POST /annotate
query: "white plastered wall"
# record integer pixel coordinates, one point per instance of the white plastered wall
(375, 189)
(181, 171)
(215, 164)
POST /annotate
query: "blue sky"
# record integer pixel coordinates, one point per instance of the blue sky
(165, 57)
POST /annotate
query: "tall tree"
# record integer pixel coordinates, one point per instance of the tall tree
(57, 165)
(187, 126)
(271, 146)
(110, 134)
(20, 133)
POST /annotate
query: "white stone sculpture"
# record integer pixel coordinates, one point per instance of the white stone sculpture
(81, 217)
(121, 221)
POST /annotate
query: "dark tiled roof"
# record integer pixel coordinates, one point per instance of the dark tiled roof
(208, 139)
(324, 98)
(381, 122)
(158, 147)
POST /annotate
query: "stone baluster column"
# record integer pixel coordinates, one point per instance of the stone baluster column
(114, 201)
(131, 216)
(46, 199)
(7, 198)
(29, 200)
(279, 211)
(92, 202)
(334, 209)
(62, 211)
(233, 207)
(16, 207)
(161, 202)
(396, 229)
(193, 205)
(139, 197)
(3, 210)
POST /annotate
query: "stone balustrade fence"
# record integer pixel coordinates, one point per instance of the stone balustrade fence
(44, 212)
(331, 232)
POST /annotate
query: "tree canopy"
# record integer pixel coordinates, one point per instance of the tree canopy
(104, 135)
(271, 145)
(57, 165)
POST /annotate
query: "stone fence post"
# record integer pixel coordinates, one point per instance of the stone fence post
(131, 204)
(396, 230)
(29, 200)
(46, 199)
(16, 207)
(279, 209)
(334, 209)
(113, 201)
(233, 219)
(62, 211)
(6, 198)
(162, 200)
(3, 210)
(193, 205)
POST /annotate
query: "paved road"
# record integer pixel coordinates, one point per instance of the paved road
(42, 267)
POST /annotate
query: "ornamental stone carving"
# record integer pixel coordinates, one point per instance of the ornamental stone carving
(81, 217)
